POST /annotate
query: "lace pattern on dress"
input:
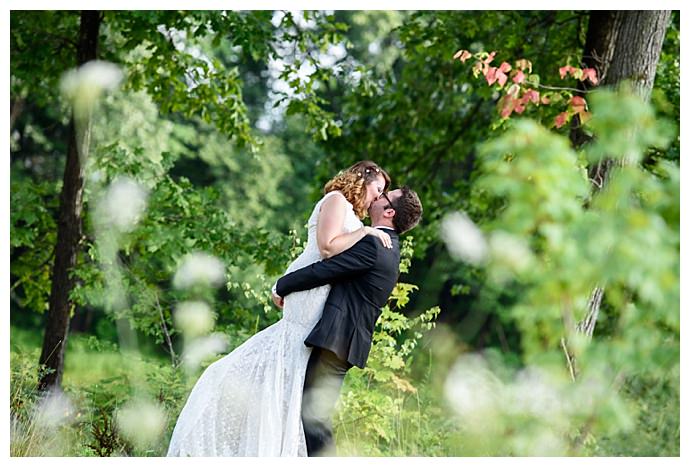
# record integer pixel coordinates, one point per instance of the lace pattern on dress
(248, 403)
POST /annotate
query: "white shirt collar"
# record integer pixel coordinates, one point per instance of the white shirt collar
(382, 227)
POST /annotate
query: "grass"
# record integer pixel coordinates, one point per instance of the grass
(88, 360)
(98, 379)
(377, 421)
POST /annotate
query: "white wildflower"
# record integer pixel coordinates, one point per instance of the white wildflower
(472, 389)
(53, 409)
(590, 393)
(198, 350)
(194, 318)
(463, 238)
(510, 251)
(536, 393)
(200, 268)
(538, 442)
(96, 176)
(317, 399)
(123, 204)
(84, 85)
(141, 422)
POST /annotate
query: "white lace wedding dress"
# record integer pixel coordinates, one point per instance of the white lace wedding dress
(248, 403)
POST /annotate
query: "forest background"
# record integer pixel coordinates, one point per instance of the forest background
(156, 196)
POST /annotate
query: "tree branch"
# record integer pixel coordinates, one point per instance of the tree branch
(166, 333)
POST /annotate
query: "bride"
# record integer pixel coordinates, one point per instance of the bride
(248, 403)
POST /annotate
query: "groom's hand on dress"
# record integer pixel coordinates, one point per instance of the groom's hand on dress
(277, 300)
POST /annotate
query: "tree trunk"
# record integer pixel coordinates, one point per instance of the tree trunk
(69, 227)
(641, 36)
(15, 111)
(600, 45)
(623, 46)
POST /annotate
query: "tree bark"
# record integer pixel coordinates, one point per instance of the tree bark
(600, 45)
(69, 227)
(15, 111)
(641, 36)
(623, 46)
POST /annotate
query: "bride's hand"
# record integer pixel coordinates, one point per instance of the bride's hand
(383, 236)
(277, 300)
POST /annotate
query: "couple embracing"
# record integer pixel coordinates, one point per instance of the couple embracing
(275, 394)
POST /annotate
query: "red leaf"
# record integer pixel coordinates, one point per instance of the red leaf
(502, 78)
(491, 75)
(505, 67)
(531, 95)
(545, 100)
(519, 77)
(463, 55)
(520, 107)
(490, 58)
(591, 75)
(506, 106)
(564, 70)
(561, 119)
(578, 104)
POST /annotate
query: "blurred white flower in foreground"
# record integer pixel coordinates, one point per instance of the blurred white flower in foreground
(201, 348)
(591, 392)
(316, 400)
(123, 204)
(199, 268)
(463, 238)
(96, 176)
(141, 422)
(54, 409)
(537, 393)
(532, 411)
(472, 389)
(84, 85)
(511, 251)
(194, 318)
(539, 442)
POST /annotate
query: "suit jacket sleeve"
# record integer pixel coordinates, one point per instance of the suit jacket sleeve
(346, 265)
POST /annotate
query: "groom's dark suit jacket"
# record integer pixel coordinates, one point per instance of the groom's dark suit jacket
(362, 278)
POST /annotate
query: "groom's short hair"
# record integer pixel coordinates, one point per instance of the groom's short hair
(408, 210)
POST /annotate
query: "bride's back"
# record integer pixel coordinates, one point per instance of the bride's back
(311, 252)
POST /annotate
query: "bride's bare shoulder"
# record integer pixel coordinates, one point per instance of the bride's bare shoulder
(332, 201)
(335, 194)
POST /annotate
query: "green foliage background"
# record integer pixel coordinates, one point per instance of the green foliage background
(223, 181)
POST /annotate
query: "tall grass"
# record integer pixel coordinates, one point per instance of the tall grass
(96, 385)
(375, 419)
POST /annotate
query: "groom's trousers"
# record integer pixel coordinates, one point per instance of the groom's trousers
(322, 383)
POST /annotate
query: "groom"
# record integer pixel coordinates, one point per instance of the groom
(361, 279)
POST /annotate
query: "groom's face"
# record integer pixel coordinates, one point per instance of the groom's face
(381, 208)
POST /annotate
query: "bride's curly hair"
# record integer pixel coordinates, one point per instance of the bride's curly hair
(353, 181)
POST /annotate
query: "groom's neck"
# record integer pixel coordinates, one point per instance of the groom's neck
(382, 223)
